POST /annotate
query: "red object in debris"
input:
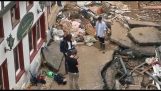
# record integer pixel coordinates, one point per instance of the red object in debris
(41, 77)
(154, 63)
(97, 9)
(100, 10)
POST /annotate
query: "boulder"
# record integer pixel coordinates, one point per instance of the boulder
(145, 36)
(119, 36)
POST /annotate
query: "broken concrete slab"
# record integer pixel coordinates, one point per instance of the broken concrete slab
(134, 23)
(145, 36)
(53, 56)
(119, 36)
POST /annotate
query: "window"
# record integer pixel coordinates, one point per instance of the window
(19, 61)
(4, 82)
(31, 46)
(15, 14)
(36, 36)
(29, 5)
(1, 30)
(16, 58)
(38, 30)
(1, 83)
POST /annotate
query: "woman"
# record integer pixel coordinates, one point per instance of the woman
(65, 46)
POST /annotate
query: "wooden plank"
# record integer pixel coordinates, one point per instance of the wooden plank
(146, 69)
(137, 71)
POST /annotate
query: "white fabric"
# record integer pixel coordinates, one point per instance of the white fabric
(101, 28)
(69, 46)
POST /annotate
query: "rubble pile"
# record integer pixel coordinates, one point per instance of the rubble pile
(147, 11)
(136, 37)
(142, 36)
(138, 40)
(78, 20)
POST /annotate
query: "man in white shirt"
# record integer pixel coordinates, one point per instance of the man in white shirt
(101, 29)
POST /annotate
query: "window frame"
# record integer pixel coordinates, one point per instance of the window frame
(1, 79)
(1, 30)
(17, 15)
(21, 69)
(37, 42)
(4, 75)
(28, 7)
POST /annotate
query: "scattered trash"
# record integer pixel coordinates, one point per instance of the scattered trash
(37, 79)
(56, 77)
(89, 40)
(126, 23)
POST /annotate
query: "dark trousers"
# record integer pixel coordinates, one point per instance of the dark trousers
(102, 42)
(66, 65)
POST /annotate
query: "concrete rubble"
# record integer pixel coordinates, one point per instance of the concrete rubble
(140, 39)
(145, 36)
(134, 23)
(136, 38)
(119, 36)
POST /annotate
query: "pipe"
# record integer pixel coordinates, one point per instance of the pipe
(124, 68)
(157, 54)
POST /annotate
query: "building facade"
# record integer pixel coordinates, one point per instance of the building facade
(25, 21)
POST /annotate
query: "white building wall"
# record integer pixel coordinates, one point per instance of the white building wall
(11, 70)
(2, 54)
(9, 54)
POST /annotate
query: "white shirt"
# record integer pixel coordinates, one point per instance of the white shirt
(69, 46)
(101, 28)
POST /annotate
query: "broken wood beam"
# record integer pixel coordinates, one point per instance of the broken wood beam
(146, 69)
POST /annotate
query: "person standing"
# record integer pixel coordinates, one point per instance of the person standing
(59, 3)
(65, 46)
(73, 70)
(101, 30)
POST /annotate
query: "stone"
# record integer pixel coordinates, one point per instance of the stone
(119, 36)
(145, 36)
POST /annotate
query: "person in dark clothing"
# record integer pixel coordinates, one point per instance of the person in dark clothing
(73, 70)
(65, 46)
(59, 3)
